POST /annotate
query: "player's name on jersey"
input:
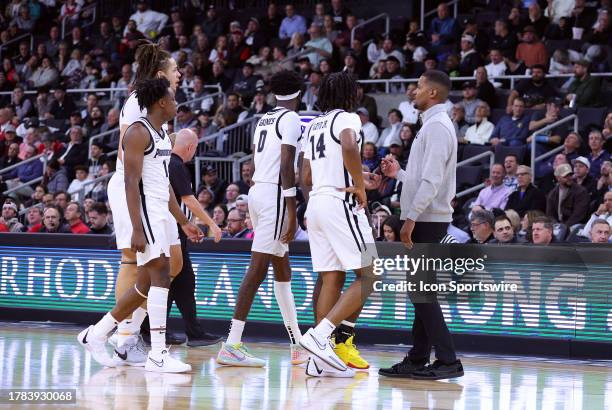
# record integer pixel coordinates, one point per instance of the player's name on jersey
(162, 153)
(266, 121)
(319, 125)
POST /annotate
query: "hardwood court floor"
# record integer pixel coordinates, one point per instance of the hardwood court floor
(42, 356)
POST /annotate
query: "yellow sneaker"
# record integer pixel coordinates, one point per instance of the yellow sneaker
(350, 355)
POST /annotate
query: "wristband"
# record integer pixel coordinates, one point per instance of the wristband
(542, 138)
(289, 193)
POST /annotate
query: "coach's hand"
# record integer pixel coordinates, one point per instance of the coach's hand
(216, 232)
(371, 181)
(406, 233)
(390, 166)
(193, 232)
(139, 241)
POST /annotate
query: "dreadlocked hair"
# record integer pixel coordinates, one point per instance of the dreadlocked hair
(150, 59)
(338, 91)
(148, 92)
(286, 82)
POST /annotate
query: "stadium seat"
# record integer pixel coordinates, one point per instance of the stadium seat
(502, 151)
(591, 117)
(496, 114)
(472, 150)
(468, 176)
(559, 231)
(553, 45)
(501, 99)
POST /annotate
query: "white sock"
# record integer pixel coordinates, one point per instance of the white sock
(104, 326)
(130, 327)
(347, 323)
(324, 329)
(286, 304)
(157, 306)
(235, 333)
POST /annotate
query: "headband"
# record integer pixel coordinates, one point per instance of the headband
(287, 97)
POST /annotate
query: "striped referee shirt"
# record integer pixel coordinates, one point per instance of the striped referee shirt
(180, 180)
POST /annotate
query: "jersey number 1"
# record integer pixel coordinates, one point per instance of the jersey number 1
(262, 140)
(320, 148)
(166, 168)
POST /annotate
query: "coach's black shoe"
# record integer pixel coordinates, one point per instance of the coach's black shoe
(439, 370)
(405, 368)
(203, 339)
(171, 338)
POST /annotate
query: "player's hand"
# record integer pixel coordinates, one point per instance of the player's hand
(390, 166)
(289, 234)
(138, 241)
(406, 233)
(216, 232)
(371, 181)
(359, 193)
(193, 232)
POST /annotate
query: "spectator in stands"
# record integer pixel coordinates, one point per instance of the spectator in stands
(391, 229)
(542, 231)
(52, 221)
(246, 178)
(364, 100)
(458, 117)
(531, 50)
(604, 183)
(61, 200)
(111, 140)
(99, 189)
(526, 197)
(600, 231)
(568, 202)
(11, 158)
(480, 132)
(238, 52)
(597, 155)
(231, 194)
(320, 45)
(392, 72)
(511, 163)
(259, 106)
(410, 114)
(75, 152)
(22, 104)
(582, 17)
(470, 58)
(292, 23)
(9, 217)
(236, 227)
(482, 224)
(149, 22)
(541, 119)
(391, 133)
(36, 196)
(48, 200)
(369, 156)
(78, 184)
(496, 67)
(55, 179)
(585, 90)
(184, 118)
(74, 216)
(535, 91)
(62, 106)
(444, 28)
(469, 102)
(220, 52)
(496, 194)
(34, 218)
(53, 42)
(512, 129)
(607, 126)
(503, 231)
(211, 181)
(245, 83)
(389, 49)
(24, 173)
(406, 139)
(104, 43)
(485, 90)
(370, 132)
(601, 30)
(205, 198)
(604, 211)
(537, 19)
(98, 220)
(212, 24)
(560, 63)
(582, 176)
(94, 122)
(219, 77)
(44, 76)
(503, 39)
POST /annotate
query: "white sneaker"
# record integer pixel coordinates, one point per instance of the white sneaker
(96, 346)
(322, 348)
(164, 363)
(238, 355)
(298, 355)
(318, 368)
(131, 353)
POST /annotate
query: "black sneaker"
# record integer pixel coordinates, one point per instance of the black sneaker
(439, 370)
(171, 339)
(405, 368)
(203, 339)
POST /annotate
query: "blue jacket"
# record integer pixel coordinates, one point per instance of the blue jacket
(26, 172)
(448, 29)
(515, 132)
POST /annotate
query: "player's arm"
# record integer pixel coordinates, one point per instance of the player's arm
(352, 163)
(305, 187)
(287, 171)
(192, 231)
(135, 142)
(194, 206)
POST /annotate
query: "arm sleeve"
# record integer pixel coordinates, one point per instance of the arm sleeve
(179, 179)
(290, 129)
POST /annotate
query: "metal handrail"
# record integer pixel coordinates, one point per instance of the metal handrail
(236, 162)
(18, 187)
(222, 132)
(93, 20)
(468, 191)
(555, 124)
(216, 87)
(19, 38)
(454, 3)
(306, 51)
(81, 192)
(370, 20)
(202, 98)
(17, 165)
(97, 137)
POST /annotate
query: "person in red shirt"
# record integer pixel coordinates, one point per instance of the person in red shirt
(531, 50)
(74, 216)
(34, 217)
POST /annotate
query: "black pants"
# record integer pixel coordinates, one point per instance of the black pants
(182, 292)
(429, 328)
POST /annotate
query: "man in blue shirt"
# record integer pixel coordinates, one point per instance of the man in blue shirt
(512, 129)
(444, 28)
(293, 23)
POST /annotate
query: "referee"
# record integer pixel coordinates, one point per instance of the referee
(428, 189)
(182, 288)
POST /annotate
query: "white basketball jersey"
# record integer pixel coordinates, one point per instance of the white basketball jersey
(276, 127)
(130, 113)
(322, 147)
(154, 181)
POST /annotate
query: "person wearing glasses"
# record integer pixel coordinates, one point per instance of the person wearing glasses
(527, 196)
(236, 226)
(482, 223)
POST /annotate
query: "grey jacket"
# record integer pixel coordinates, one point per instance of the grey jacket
(430, 176)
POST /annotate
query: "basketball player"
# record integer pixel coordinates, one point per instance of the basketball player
(130, 349)
(272, 207)
(154, 213)
(338, 230)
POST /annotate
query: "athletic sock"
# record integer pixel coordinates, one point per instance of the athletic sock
(157, 306)
(104, 326)
(286, 304)
(324, 329)
(130, 327)
(345, 330)
(235, 333)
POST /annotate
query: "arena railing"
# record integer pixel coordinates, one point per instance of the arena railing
(534, 160)
(38, 157)
(80, 23)
(220, 95)
(228, 168)
(81, 192)
(229, 140)
(18, 39)
(512, 79)
(97, 137)
(454, 3)
(371, 20)
(478, 157)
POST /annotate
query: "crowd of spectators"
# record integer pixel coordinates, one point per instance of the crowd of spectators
(217, 47)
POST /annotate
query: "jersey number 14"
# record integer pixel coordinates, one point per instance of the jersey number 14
(320, 148)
